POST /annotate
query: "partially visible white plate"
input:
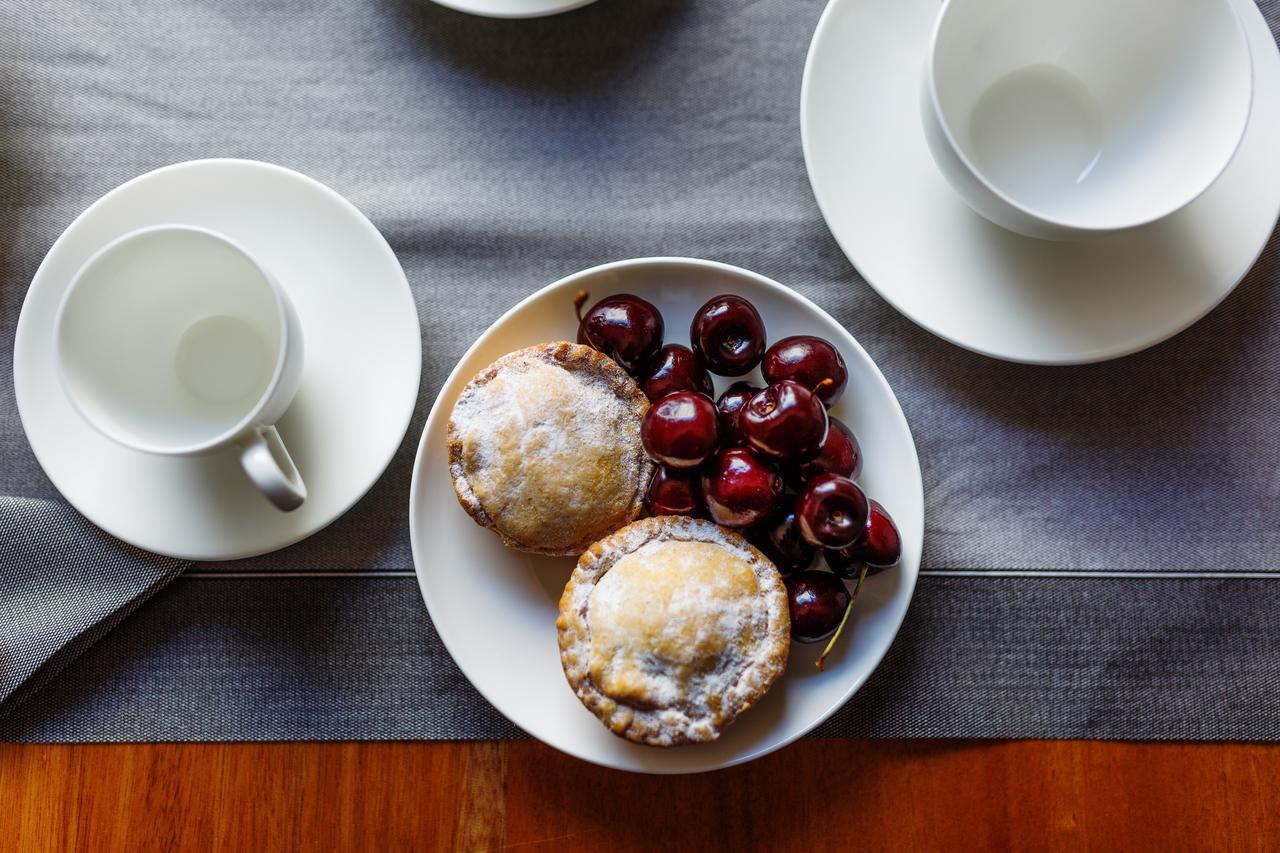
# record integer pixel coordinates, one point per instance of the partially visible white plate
(495, 609)
(514, 8)
(990, 290)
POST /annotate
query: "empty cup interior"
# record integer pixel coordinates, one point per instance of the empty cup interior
(169, 339)
(1094, 113)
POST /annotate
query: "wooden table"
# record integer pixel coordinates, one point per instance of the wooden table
(815, 795)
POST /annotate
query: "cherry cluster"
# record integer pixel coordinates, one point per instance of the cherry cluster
(769, 461)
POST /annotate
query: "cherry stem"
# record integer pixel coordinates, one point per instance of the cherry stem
(848, 609)
(578, 301)
(823, 384)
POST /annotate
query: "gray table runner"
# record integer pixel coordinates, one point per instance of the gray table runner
(1102, 542)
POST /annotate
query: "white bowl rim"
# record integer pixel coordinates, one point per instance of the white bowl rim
(939, 115)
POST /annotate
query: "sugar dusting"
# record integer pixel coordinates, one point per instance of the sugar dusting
(661, 618)
(710, 650)
(547, 449)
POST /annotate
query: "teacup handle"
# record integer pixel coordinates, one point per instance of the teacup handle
(268, 465)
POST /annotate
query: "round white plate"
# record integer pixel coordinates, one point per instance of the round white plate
(360, 377)
(495, 609)
(514, 8)
(982, 287)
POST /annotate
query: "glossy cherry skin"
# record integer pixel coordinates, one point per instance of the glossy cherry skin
(675, 493)
(680, 430)
(832, 512)
(624, 327)
(740, 487)
(880, 548)
(674, 368)
(839, 454)
(810, 361)
(729, 405)
(784, 421)
(728, 334)
(817, 601)
(778, 538)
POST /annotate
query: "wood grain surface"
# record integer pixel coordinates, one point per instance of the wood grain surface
(813, 796)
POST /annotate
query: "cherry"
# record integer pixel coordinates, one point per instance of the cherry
(728, 334)
(624, 327)
(729, 405)
(880, 547)
(839, 454)
(809, 361)
(832, 512)
(785, 421)
(779, 539)
(740, 487)
(675, 493)
(674, 368)
(817, 601)
(844, 562)
(679, 430)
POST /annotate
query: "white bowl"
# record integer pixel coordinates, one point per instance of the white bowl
(1063, 120)
(495, 609)
(514, 8)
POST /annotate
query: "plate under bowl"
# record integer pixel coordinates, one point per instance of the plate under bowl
(987, 289)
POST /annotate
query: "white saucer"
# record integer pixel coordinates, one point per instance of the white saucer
(495, 609)
(360, 379)
(914, 240)
(514, 8)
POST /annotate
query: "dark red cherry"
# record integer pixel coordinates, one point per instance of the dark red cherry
(674, 368)
(728, 334)
(844, 563)
(729, 405)
(740, 487)
(817, 601)
(832, 512)
(880, 548)
(811, 362)
(680, 430)
(779, 539)
(784, 421)
(839, 454)
(624, 327)
(675, 493)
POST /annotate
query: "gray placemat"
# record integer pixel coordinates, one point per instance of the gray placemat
(497, 156)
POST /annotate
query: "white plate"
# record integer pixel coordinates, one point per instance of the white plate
(360, 379)
(514, 8)
(948, 269)
(495, 609)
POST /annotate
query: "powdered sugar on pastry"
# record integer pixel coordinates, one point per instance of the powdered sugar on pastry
(670, 628)
(544, 448)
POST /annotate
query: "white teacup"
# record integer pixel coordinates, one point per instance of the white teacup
(1066, 119)
(174, 340)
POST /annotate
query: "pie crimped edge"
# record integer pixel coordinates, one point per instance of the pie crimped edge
(683, 722)
(573, 358)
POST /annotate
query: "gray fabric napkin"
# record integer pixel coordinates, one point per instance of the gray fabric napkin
(63, 584)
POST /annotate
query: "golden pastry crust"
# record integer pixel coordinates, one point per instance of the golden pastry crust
(545, 450)
(670, 628)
